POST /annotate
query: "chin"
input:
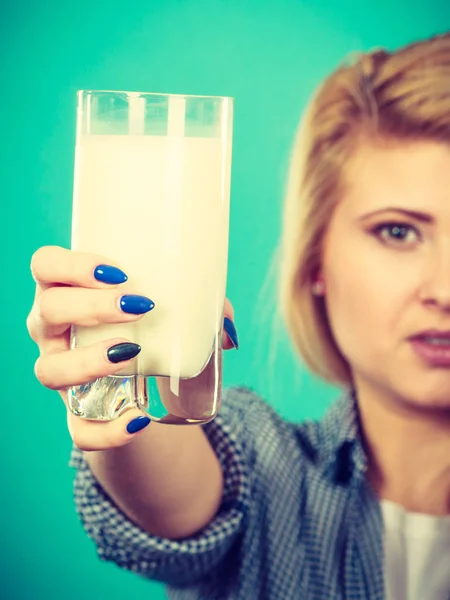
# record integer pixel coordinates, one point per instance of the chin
(424, 389)
(428, 401)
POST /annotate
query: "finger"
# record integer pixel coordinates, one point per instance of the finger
(60, 370)
(228, 309)
(104, 435)
(59, 307)
(51, 265)
(230, 337)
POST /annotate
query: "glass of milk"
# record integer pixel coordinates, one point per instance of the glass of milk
(152, 193)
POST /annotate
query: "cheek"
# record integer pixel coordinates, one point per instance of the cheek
(364, 303)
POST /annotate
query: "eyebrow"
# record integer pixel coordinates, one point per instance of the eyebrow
(419, 216)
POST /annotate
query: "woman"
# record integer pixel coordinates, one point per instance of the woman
(253, 507)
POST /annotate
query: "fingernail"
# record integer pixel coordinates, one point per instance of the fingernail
(136, 305)
(124, 351)
(137, 424)
(230, 329)
(108, 274)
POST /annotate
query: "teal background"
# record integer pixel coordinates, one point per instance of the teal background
(269, 55)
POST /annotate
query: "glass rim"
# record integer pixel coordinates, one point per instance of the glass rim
(144, 94)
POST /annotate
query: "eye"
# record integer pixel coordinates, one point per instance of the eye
(397, 233)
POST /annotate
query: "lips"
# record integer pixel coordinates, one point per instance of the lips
(433, 353)
(432, 333)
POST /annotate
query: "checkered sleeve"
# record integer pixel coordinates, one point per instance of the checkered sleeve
(181, 562)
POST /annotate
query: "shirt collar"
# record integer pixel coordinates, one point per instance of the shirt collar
(341, 445)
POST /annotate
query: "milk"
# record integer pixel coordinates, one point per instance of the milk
(159, 207)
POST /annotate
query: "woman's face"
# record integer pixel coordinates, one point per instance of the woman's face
(386, 266)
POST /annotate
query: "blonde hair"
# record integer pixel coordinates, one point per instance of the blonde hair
(400, 95)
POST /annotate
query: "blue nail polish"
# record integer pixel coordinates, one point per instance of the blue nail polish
(108, 274)
(136, 305)
(124, 351)
(137, 424)
(231, 332)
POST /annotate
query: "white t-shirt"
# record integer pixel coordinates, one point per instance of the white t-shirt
(417, 554)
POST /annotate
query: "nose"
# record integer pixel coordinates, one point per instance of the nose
(436, 287)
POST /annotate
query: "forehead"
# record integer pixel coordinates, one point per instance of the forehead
(412, 175)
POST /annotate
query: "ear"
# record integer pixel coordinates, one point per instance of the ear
(318, 285)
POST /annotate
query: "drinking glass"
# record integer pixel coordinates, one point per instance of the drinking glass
(152, 193)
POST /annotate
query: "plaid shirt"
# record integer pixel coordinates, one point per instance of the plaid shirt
(297, 520)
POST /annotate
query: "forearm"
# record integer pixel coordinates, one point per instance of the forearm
(168, 480)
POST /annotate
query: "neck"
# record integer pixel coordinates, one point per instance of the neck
(408, 451)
